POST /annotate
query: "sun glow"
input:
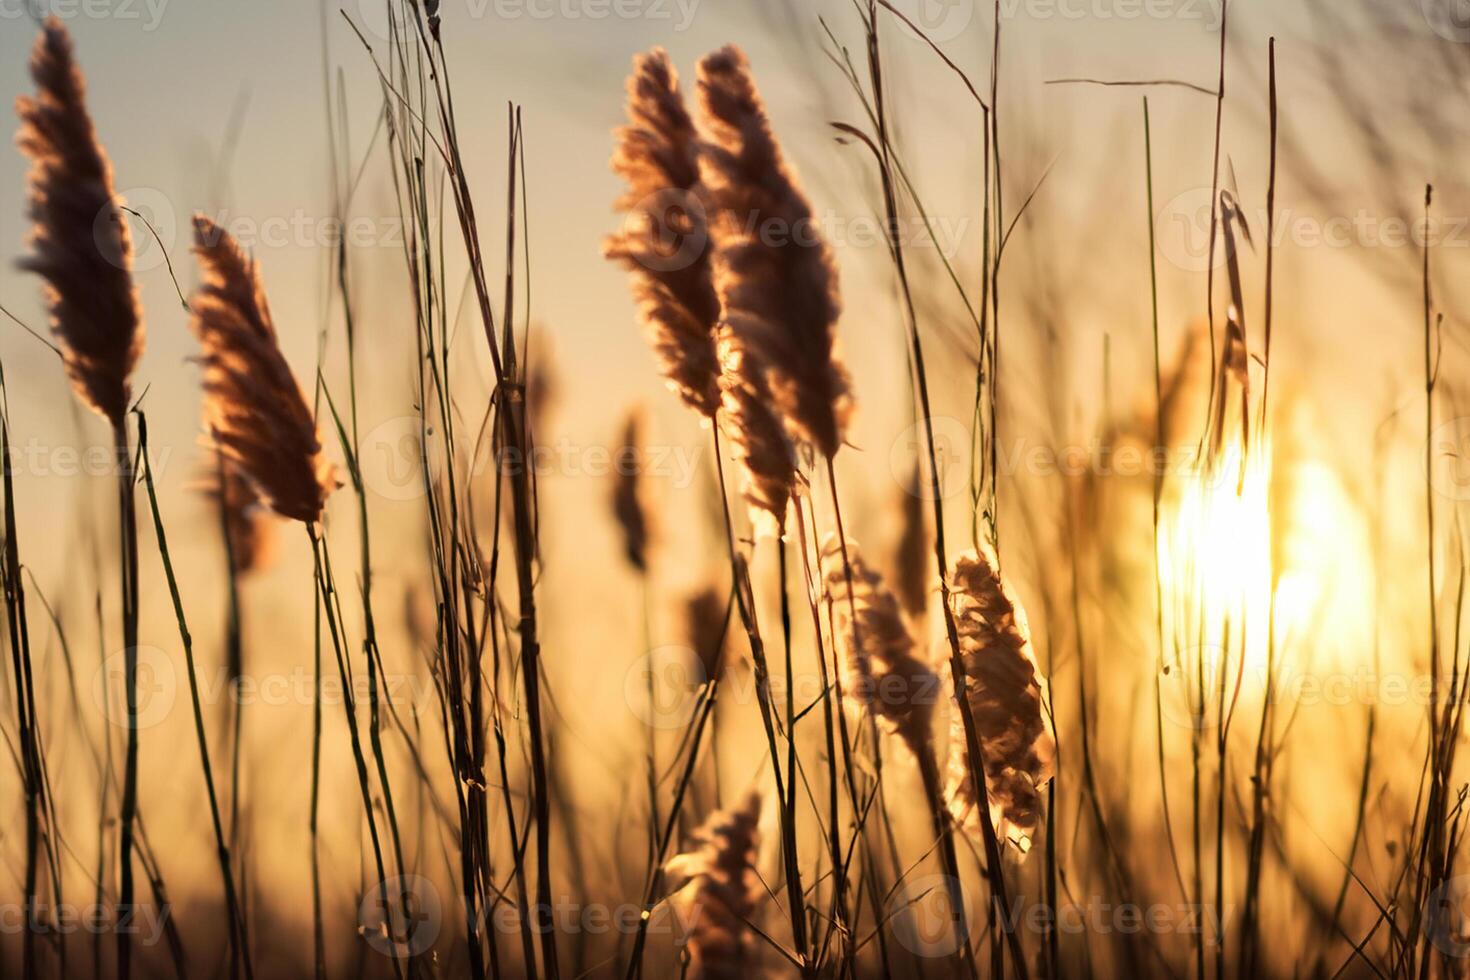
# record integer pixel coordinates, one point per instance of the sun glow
(1214, 550)
(1254, 521)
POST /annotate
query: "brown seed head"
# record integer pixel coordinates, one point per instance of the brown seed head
(721, 894)
(757, 439)
(253, 406)
(81, 244)
(664, 242)
(880, 670)
(773, 271)
(1004, 696)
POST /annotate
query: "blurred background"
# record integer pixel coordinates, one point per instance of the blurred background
(223, 108)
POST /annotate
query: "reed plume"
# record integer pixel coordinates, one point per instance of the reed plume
(627, 499)
(757, 439)
(81, 244)
(773, 271)
(879, 668)
(721, 893)
(253, 406)
(1004, 697)
(664, 242)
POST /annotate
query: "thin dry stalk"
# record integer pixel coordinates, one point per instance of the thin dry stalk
(82, 249)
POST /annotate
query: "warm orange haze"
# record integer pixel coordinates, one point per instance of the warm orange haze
(639, 489)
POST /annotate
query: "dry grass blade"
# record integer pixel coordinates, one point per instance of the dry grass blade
(880, 670)
(721, 893)
(664, 240)
(82, 246)
(254, 408)
(1004, 694)
(773, 271)
(757, 439)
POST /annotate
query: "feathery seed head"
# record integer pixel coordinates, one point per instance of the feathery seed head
(773, 271)
(664, 241)
(880, 670)
(253, 407)
(721, 892)
(758, 440)
(1005, 700)
(82, 247)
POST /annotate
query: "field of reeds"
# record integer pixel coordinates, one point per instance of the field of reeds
(1009, 521)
